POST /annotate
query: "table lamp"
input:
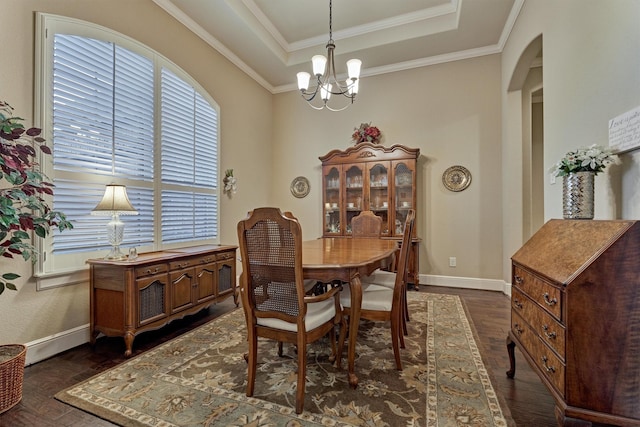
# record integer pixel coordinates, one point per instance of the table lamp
(115, 203)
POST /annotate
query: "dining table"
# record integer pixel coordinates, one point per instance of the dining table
(346, 260)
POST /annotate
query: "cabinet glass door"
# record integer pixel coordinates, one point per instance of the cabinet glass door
(331, 200)
(379, 193)
(403, 196)
(354, 180)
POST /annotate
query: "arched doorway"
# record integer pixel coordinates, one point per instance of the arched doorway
(527, 82)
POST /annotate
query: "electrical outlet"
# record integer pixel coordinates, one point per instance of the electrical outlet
(452, 261)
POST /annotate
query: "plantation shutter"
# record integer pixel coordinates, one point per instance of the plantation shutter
(189, 162)
(109, 118)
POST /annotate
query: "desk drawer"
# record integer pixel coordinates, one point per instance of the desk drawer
(543, 324)
(545, 294)
(545, 360)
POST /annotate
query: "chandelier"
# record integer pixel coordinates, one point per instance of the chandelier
(327, 83)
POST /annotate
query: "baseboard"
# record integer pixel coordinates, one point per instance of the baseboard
(46, 347)
(466, 283)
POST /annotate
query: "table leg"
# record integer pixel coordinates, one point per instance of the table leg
(354, 321)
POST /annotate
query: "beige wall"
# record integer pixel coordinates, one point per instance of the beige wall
(451, 112)
(590, 75)
(245, 126)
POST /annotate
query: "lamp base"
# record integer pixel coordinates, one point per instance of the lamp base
(115, 254)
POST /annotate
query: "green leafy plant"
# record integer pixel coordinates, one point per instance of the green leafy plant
(23, 188)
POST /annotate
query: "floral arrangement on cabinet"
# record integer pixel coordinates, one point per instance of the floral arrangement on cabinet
(588, 159)
(366, 133)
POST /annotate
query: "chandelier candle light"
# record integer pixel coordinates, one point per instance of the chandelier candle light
(327, 82)
(115, 203)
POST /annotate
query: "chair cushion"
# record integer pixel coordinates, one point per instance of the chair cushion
(309, 284)
(318, 313)
(380, 277)
(374, 297)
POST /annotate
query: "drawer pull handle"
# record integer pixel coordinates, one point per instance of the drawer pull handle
(155, 270)
(550, 335)
(547, 367)
(518, 329)
(517, 303)
(548, 301)
(519, 280)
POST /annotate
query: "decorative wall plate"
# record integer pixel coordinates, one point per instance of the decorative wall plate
(456, 178)
(300, 187)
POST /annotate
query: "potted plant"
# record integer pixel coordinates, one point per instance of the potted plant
(578, 169)
(23, 209)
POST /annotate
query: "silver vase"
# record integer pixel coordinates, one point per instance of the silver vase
(577, 195)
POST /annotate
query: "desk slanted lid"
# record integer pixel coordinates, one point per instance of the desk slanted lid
(562, 249)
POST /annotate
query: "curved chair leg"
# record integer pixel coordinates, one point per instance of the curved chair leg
(396, 337)
(302, 370)
(252, 362)
(341, 339)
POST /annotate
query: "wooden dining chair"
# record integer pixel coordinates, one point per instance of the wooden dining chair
(273, 293)
(384, 303)
(366, 224)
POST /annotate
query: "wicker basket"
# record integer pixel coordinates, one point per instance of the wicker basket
(12, 359)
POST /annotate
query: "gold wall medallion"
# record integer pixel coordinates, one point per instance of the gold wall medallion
(456, 178)
(300, 187)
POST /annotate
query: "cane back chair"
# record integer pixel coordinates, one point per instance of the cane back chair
(273, 293)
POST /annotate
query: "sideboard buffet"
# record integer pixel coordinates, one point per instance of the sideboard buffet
(132, 296)
(372, 177)
(575, 316)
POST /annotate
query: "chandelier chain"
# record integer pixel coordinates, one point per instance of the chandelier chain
(330, 21)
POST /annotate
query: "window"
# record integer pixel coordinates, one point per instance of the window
(115, 112)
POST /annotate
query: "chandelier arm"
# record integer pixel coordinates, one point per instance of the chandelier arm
(337, 110)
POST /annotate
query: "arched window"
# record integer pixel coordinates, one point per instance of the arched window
(114, 111)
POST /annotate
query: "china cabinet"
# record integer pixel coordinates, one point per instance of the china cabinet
(371, 177)
(130, 297)
(575, 315)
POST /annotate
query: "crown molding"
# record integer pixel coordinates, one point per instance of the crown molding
(276, 39)
(172, 10)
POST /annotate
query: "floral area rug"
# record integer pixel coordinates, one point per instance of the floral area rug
(199, 379)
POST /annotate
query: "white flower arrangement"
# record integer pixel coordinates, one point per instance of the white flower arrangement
(589, 159)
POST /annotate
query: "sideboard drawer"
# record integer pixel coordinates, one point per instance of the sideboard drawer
(544, 325)
(225, 255)
(150, 270)
(548, 296)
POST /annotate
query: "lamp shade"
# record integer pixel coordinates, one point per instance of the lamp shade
(114, 201)
(318, 63)
(353, 68)
(303, 80)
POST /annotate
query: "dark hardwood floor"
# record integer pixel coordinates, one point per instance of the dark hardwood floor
(526, 398)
